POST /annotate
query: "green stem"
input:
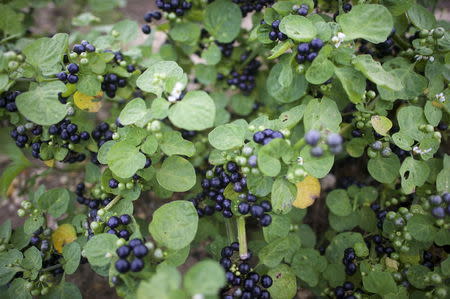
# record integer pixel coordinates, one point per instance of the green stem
(51, 268)
(242, 238)
(299, 144)
(341, 11)
(401, 42)
(345, 129)
(230, 231)
(9, 38)
(112, 203)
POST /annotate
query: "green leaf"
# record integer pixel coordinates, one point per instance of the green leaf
(413, 83)
(176, 174)
(174, 225)
(5, 231)
(284, 282)
(227, 136)
(41, 105)
(133, 112)
(320, 70)
(339, 203)
(413, 173)
(17, 289)
(282, 93)
(322, 115)
(205, 277)
(125, 165)
(185, 32)
(335, 274)
(55, 201)
(318, 167)
(241, 104)
(212, 55)
(160, 108)
(223, 19)
(72, 255)
(298, 28)
(279, 228)
(47, 53)
(161, 76)
(32, 259)
(272, 254)
(127, 29)
(283, 195)
(384, 170)
(33, 223)
(307, 264)
(259, 185)
(421, 227)
(66, 290)
(432, 113)
(12, 256)
(371, 22)
(11, 22)
(443, 178)
(96, 249)
(398, 7)
(268, 156)
(160, 286)
(173, 144)
(374, 72)
(335, 251)
(195, 112)
(353, 83)
(421, 17)
(381, 283)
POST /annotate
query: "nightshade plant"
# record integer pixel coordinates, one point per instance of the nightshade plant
(300, 145)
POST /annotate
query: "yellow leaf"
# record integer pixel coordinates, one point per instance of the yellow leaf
(50, 163)
(88, 103)
(381, 124)
(64, 234)
(308, 191)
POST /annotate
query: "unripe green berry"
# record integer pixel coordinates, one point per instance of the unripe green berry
(20, 213)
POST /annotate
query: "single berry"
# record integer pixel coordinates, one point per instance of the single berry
(312, 137)
(266, 281)
(113, 222)
(146, 29)
(122, 266)
(123, 251)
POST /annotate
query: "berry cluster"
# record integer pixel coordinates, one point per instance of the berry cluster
(135, 247)
(72, 76)
(22, 138)
(266, 136)
(248, 6)
(308, 51)
(249, 206)
(213, 188)
(117, 225)
(84, 47)
(149, 17)
(112, 82)
(427, 260)
(302, 10)
(380, 248)
(242, 281)
(179, 7)
(245, 80)
(8, 100)
(225, 48)
(333, 140)
(349, 261)
(40, 239)
(102, 133)
(345, 291)
(275, 34)
(440, 205)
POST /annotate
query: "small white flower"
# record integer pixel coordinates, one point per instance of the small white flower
(300, 160)
(198, 296)
(418, 151)
(441, 97)
(176, 92)
(338, 39)
(431, 58)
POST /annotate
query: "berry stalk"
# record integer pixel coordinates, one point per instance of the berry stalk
(242, 238)
(230, 231)
(112, 203)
